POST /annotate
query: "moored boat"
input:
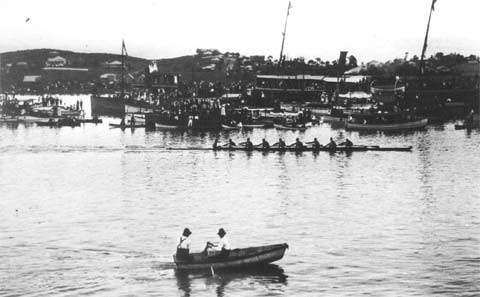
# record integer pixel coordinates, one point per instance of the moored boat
(235, 259)
(292, 128)
(418, 124)
(230, 128)
(167, 127)
(126, 126)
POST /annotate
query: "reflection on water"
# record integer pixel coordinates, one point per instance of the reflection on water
(259, 277)
(93, 210)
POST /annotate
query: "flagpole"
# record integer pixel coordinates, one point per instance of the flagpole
(284, 32)
(424, 50)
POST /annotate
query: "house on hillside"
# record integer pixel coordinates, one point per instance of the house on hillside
(56, 61)
(113, 64)
(108, 77)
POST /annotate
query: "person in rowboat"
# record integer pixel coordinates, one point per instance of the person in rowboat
(248, 144)
(264, 145)
(297, 144)
(347, 143)
(332, 144)
(230, 143)
(223, 245)
(280, 144)
(183, 247)
(315, 144)
(215, 144)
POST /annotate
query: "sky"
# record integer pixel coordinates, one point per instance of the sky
(369, 29)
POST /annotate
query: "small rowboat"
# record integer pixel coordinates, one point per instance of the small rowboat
(251, 126)
(282, 127)
(235, 259)
(230, 128)
(126, 126)
(167, 127)
(46, 124)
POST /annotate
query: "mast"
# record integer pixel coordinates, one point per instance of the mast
(284, 32)
(124, 53)
(424, 50)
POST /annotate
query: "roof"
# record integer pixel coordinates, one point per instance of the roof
(57, 59)
(355, 95)
(31, 78)
(299, 77)
(347, 79)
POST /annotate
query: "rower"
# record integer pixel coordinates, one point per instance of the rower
(265, 145)
(332, 144)
(183, 247)
(248, 144)
(122, 122)
(347, 143)
(223, 245)
(281, 144)
(298, 144)
(315, 144)
(231, 143)
(132, 120)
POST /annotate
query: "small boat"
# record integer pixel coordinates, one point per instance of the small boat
(126, 126)
(252, 126)
(46, 124)
(167, 127)
(236, 259)
(291, 128)
(91, 121)
(388, 127)
(230, 128)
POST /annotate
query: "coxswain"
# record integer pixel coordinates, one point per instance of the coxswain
(183, 247)
(122, 122)
(215, 144)
(132, 120)
(265, 145)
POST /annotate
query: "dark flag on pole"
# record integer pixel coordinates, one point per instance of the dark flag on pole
(433, 4)
(342, 61)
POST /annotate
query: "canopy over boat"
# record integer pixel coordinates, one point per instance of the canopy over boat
(237, 258)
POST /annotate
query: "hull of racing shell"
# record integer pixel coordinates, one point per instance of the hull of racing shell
(321, 149)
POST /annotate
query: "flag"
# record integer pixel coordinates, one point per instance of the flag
(433, 4)
(289, 6)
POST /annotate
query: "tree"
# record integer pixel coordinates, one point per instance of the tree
(352, 61)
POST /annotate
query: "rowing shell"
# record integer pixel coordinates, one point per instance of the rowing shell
(359, 148)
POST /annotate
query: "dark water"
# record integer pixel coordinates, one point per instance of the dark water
(98, 211)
